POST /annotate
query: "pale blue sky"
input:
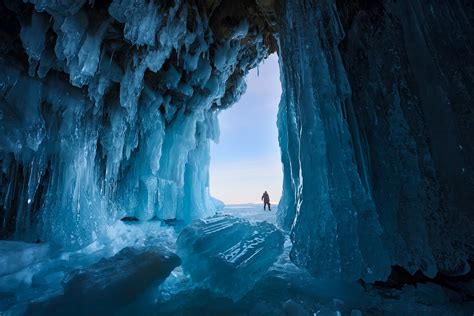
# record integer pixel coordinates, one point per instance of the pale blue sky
(246, 161)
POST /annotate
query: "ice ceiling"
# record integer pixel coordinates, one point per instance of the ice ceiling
(108, 108)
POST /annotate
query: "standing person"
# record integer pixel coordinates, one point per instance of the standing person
(266, 201)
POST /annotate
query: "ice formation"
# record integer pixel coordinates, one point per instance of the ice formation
(107, 111)
(376, 133)
(16, 255)
(334, 215)
(227, 254)
(130, 281)
(109, 283)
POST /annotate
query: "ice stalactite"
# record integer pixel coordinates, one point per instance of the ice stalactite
(107, 111)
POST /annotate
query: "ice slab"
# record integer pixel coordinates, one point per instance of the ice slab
(17, 255)
(227, 254)
(110, 283)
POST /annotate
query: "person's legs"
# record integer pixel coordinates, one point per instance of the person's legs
(264, 206)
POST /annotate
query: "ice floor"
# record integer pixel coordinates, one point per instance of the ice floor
(252, 212)
(235, 263)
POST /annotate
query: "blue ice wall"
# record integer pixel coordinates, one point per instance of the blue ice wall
(107, 110)
(336, 232)
(376, 133)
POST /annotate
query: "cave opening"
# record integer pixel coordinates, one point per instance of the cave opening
(246, 161)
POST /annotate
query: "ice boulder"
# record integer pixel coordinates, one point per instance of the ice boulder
(110, 283)
(17, 255)
(227, 254)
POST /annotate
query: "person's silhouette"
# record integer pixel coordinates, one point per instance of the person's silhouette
(266, 201)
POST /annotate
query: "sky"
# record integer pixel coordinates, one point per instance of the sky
(246, 161)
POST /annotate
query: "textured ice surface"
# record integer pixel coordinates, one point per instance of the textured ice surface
(376, 128)
(43, 279)
(111, 282)
(413, 89)
(335, 228)
(48, 285)
(251, 212)
(16, 255)
(228, 254)
(286, 289)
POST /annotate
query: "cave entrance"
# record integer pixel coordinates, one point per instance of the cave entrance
(246, 161)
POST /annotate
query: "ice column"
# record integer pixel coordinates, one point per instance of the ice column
(335, 228)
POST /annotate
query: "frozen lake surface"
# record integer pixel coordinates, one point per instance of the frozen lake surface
(252, 212)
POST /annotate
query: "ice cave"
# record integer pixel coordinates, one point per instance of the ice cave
(107, 112)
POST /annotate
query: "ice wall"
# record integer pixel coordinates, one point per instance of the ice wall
(336, 231)
(416, 122)
(107, 110)
(376, 132)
